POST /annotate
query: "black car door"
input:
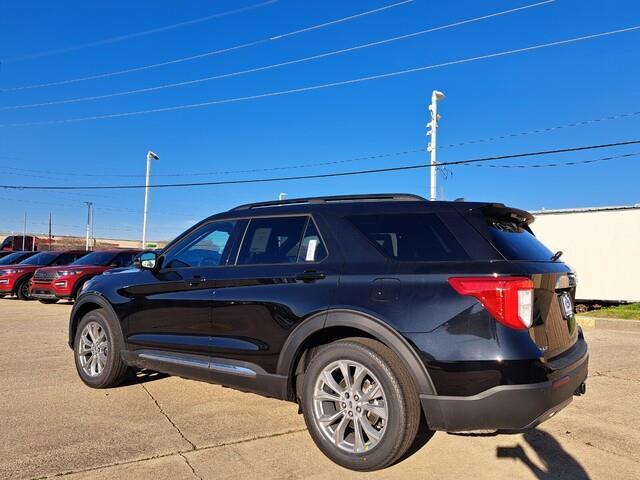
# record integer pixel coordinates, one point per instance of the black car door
(283, 274)
(171, 307)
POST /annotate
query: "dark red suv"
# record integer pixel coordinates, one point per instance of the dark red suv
(51, 284)
(14, 279)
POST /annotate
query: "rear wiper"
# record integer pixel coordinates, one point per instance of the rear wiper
(556, 255)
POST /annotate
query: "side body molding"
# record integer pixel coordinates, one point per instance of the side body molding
(361, 321)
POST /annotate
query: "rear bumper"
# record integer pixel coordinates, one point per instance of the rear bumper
(507, 407)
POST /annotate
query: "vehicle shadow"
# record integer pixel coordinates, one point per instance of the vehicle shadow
(139, 377)
(558, 463)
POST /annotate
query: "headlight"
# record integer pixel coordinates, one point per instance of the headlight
(67, 273)
(11, 271)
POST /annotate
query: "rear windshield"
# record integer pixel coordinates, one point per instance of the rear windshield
(413, 237)
(517, 243)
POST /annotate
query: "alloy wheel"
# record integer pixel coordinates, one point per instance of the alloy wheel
(350, 406)
(93, 349)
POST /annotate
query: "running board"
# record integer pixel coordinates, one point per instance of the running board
(244, 376)
(198, 362)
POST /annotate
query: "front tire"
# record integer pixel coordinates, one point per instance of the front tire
(22, 290)
(96, 348)
(360, 404)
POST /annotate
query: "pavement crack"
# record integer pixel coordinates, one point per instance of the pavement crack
(177, 429)
(193, 470)
(166, 455)
(615, 377)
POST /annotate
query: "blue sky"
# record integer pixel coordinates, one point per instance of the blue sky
(493, 97)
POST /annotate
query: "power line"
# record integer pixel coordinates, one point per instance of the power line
(276, 65)
(325, 175)
(325, 85)
(55, 174)
(559, 164)
(209, 53)
(129, 36)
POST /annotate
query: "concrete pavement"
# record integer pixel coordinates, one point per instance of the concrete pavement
(161, 427)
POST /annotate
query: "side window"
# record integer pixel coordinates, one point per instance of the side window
(123, 259)
(65, 259)
(272, 240)
(206, 247)
(312, 248)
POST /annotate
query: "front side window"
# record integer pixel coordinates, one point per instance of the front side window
(206, 247)
(272, 240)
(412, 237)
(124, 259)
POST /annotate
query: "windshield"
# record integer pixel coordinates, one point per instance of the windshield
(96, 258)
(12, 258)
(43, 258)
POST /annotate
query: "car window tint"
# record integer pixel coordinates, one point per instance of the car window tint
(272, 240)
(415, 237)
(312, 248)
(124, 259)
(66, 258)
(203, 248)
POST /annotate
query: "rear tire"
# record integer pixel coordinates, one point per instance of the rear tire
(22, 290)
(48, 301)
(97, 347)
(368, 421)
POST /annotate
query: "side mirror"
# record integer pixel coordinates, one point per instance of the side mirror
(147, 261)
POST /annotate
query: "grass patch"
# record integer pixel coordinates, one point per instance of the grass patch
(629, 311)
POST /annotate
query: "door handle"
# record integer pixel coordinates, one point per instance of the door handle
(310, 276)
(195, 281)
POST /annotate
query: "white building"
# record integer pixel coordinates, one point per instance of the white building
(602, 244)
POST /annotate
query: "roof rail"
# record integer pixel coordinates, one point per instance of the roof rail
(398, 197)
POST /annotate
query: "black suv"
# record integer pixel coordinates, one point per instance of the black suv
(377, 314)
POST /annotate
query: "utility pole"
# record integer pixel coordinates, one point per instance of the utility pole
(89, 207)
(150, 156)
(24, 231)
(436, 96)
(49, 231)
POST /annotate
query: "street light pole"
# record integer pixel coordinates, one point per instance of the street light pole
(436, 96)
(150, 156)
(89, 206)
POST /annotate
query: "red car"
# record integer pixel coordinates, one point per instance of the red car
(14, 279)
(53, 283)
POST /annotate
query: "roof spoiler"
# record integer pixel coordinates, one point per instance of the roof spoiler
(499, 211)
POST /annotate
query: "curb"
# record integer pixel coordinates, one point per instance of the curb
(608, 323)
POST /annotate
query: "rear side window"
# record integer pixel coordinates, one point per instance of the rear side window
(272, 240)
(517, 243)
(413, 237)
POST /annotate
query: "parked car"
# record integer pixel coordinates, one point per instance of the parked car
(50, 284)
(20, 242)
(14, 279)
(377, 314)
(13, 257)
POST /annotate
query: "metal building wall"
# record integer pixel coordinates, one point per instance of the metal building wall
(602, 245)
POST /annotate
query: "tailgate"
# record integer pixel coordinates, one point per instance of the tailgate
(554, 324)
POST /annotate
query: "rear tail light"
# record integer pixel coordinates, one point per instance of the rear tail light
(508, 299)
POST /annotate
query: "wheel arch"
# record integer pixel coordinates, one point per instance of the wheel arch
(84, 305)
(341, 323)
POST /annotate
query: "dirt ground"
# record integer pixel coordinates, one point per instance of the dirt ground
(159, 427)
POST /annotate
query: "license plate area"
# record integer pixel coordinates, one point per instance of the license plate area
(566, 305)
